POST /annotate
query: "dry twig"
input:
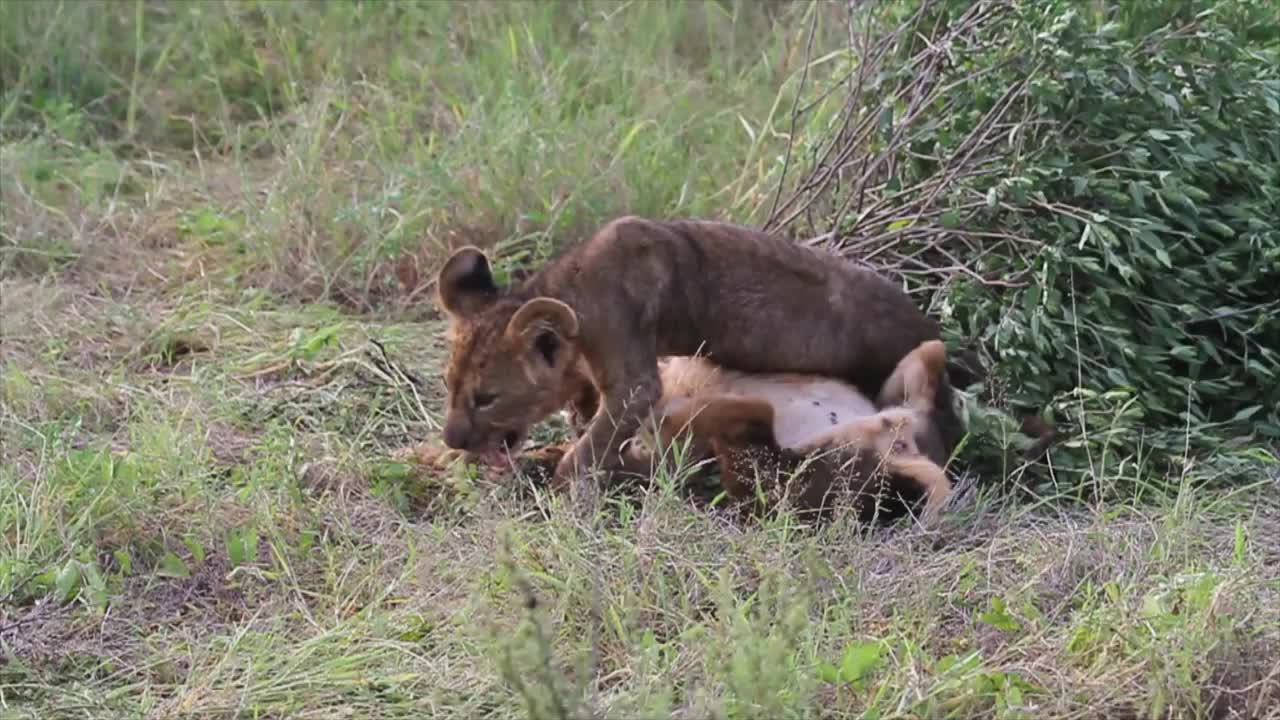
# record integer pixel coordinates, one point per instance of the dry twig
(853, 197)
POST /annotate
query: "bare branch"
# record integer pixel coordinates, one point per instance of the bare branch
(862, 179)
(795, 103)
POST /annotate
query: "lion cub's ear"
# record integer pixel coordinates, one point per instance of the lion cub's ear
(915, 380)
(465, 283)
(546, 325)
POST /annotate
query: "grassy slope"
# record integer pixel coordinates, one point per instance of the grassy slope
(212, 214)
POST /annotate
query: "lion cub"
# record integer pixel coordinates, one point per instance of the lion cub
(825, 432)
(638, 289)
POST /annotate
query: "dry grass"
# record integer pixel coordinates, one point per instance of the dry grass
(216, 339)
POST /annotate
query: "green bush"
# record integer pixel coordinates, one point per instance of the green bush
(1156, 203)
(1109, 181)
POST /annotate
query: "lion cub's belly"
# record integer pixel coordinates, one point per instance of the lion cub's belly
(804, 406)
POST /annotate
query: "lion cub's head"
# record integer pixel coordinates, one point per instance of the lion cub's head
(512, 360)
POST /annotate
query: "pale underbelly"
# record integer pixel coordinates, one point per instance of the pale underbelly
(805, 407)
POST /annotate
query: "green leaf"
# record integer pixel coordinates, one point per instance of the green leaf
(998, 617)
(67, 581)
(1013, 695)
(1030, 300)
(124, 560)
(197, 550)
(242, 546)
(1246, 413)
(172, 566)
(1241, 544)
(859, 660)
(1106, 234)
(1138, 194)
(321, 338)
(1220, 228)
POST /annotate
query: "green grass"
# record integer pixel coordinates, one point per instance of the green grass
(216, 218)
(314, 144)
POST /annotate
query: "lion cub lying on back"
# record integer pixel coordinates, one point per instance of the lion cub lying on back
(640, 289)
(836, 438)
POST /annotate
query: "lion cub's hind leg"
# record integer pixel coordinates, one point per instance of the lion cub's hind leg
(887, 441)
(926, 477)
(731, 418)
(755, 471)
(723, 427)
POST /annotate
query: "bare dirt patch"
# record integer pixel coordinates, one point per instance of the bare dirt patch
(50, 636)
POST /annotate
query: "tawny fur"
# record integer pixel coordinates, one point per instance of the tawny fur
(817, 411)
(754, 421)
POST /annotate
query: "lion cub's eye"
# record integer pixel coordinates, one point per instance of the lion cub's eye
(483, 400)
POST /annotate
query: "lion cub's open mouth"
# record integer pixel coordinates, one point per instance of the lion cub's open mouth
(500, 456)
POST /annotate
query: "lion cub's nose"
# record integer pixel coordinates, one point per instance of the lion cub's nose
(455, 434)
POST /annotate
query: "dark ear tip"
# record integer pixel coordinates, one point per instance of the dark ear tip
(465, 281)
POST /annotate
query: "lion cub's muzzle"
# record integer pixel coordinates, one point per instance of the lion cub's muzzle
(461, 434)
(457, 435)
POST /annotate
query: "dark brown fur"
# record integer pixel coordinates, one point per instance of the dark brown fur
(638, 289)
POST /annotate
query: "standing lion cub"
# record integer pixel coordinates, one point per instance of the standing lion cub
(637, 289)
